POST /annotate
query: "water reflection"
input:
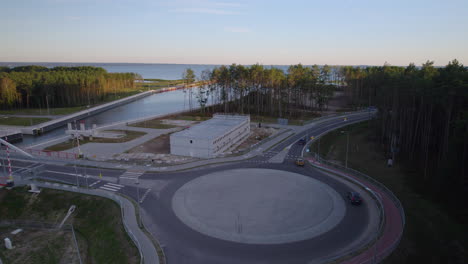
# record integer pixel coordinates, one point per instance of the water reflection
(156, 104)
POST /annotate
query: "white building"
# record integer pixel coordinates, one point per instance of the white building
(212, 137)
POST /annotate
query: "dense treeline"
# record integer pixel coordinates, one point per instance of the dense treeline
(267, 90)
(422, 121)
(37, 86)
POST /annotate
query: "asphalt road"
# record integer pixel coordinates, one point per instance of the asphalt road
(185, 245)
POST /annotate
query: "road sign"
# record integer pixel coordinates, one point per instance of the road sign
(312, 137)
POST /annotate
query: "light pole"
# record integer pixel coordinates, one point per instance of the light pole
(347, 146)
(318, 150)
(137, 182)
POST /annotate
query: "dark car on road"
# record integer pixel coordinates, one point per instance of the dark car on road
(301, 141)
(354, 198)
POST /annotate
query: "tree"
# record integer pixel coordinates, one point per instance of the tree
(189, 77)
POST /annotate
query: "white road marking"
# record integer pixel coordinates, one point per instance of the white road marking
(67, 173)
(116, 185)
(108, 189)
(94, 183)
(144, 195)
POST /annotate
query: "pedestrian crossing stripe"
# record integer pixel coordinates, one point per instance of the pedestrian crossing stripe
(111, 187)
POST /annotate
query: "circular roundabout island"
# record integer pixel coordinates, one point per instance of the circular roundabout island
(258, 206)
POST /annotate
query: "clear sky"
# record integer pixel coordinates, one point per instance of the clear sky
(337, 32)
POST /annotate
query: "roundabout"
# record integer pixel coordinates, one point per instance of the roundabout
(249, 213)
(258, 206)
(255, 208)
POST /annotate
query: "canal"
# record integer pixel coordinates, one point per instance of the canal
(156, 104)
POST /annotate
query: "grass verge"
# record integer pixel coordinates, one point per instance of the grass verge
(153, 123)
(22, 121)
(128, 136)
(97, 222)
(41, 111)
(431, 235)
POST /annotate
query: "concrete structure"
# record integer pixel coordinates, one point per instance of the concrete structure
(13, 135)
(58, 122)
(212, 137)
(81, 131)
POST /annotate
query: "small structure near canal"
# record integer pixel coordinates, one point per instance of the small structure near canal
(212, 137)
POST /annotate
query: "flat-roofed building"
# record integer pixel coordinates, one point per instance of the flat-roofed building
(212, 137)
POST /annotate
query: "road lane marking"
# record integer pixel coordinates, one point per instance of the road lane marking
(116, 185)
(144, 195)
(94, 183)
(108, 189)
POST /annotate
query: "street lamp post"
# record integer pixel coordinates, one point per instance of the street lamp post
(347, 147)
(318, 150)
(137, 182)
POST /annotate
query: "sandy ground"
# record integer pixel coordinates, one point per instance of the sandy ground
(155, 151)
(159, 145)
(256, 135)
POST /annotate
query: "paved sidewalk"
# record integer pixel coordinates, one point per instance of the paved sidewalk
(105, 151)
(142, 241)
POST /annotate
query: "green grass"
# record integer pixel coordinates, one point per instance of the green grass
(42, 111)
(22, 121)
(129, 135)
(295, 121)
(70, 110)
(122, 94)
(159, 83)
(97, 220)
(30, 247)
(188, 117)
(154, 123)
(431, 235)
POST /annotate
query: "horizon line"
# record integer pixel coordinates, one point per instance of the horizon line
(212, 64)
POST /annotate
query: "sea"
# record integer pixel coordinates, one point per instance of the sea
(146, 70)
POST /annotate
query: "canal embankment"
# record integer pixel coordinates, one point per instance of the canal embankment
(62, 121)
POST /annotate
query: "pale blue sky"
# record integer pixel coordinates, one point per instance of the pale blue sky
(338, 32)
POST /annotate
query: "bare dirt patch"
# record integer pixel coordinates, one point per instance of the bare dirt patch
(155, 151)
(158, 145)
(159, 123)
(256, 135)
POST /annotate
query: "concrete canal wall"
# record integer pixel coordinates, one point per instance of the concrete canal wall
(11, 135)
(56, 123)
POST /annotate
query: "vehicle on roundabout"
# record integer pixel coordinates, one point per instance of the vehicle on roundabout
(300, 162)
(354, 198)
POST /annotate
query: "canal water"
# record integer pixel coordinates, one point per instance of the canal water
(156, 104)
